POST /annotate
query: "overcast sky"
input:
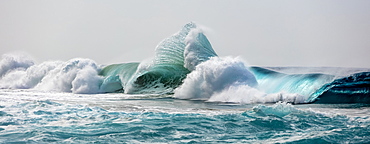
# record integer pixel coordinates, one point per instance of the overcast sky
(265, 33)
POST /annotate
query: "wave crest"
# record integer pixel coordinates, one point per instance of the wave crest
(213, 76)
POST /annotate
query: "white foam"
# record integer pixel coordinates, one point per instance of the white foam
(245, 94)
(192, 50)
(13, 62)
(214, 76)
(18, 71)
(27, 78)
(76, 75)
(228, 80)
(197, 50)
(86, 81)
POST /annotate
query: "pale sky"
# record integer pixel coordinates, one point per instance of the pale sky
(332, 33)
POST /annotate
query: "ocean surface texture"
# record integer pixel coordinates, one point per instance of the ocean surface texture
(185, 94)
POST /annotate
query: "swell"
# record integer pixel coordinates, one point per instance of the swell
(303, 84)
(352, 89)
(317, 87)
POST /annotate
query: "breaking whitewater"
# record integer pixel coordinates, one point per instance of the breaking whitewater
(185, 94)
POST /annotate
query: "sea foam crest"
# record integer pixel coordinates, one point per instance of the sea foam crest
(245, 94)
(77, 75)
(27, 78)
(198, 49)
(214, 76)
(12, 61)
(280, 109)
(228, 80)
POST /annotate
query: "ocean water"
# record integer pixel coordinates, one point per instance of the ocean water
(185, 94)
(28, 116)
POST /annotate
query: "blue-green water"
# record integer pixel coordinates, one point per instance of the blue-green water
(41, 117)
(186, 93)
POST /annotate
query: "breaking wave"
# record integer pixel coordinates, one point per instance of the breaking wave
(186, 66)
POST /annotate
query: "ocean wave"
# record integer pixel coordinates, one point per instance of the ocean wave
(51, 122)
(186, 65)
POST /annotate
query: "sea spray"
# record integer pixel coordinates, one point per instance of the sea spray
(244, 94)
(228, 80)
(198, 49)
(14, 62)
(213, 76)
(28, 78)
(76, 75)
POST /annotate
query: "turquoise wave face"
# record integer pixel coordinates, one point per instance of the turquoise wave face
(317, 88)
(303, 84)
(116, 76)
(47, 121)
(352, 89)
(158, 79)
(127, 78)
(174, 58)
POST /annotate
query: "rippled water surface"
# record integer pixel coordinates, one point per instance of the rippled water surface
(41, 117)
